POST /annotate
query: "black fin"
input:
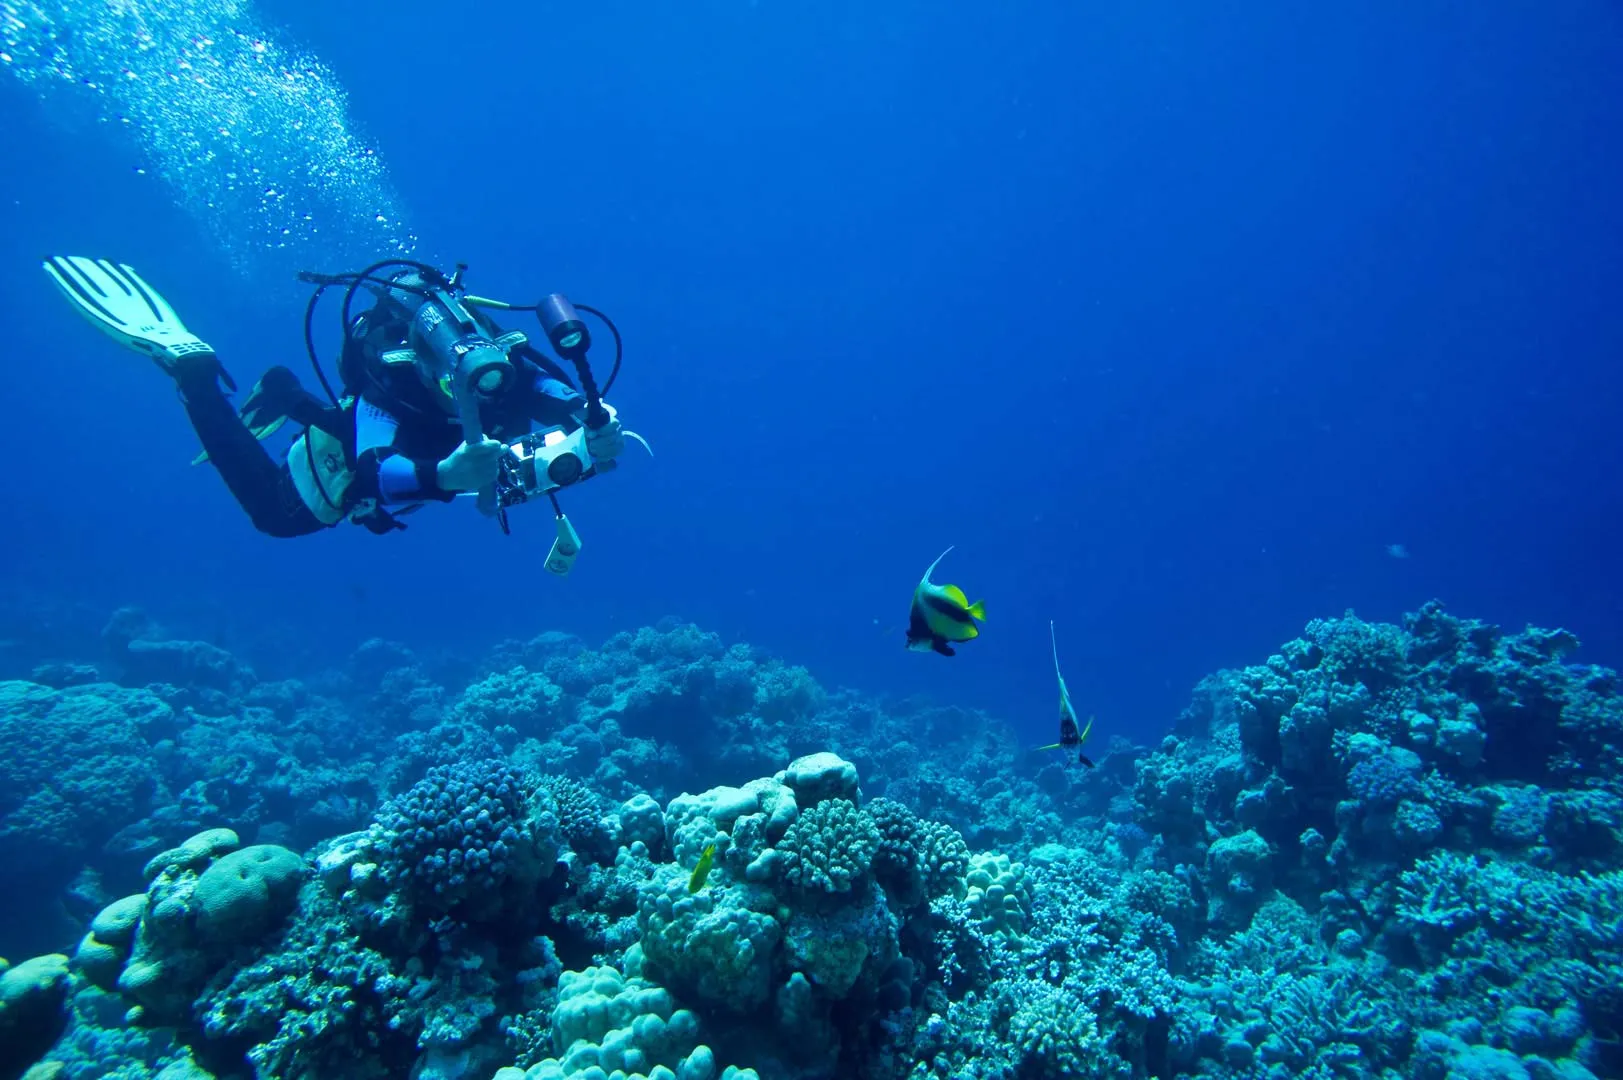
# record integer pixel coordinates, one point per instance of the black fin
(1084, 759)
(940, 645)
(917, 631)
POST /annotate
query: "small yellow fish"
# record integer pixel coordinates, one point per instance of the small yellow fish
(941, 615)
(701, 869)
(1069, 737)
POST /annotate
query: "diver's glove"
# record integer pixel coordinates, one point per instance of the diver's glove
(605, 443)
(471, 466)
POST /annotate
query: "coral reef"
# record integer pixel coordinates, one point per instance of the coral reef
(1388, 850)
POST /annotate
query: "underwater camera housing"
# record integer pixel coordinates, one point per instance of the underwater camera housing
(544, 461)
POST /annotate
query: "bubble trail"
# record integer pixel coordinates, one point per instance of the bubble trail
(254, 140)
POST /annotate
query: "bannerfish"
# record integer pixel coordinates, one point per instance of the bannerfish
(941, 615)
(1070, 738)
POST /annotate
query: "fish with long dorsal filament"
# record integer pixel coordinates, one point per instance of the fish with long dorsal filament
(1070, 736)
(941, 616)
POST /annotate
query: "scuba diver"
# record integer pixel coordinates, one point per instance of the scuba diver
(437, 401)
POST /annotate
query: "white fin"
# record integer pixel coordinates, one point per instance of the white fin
(927, 573)
(639, 440)
(1064, 694)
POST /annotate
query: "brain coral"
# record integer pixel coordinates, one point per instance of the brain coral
(247, 891)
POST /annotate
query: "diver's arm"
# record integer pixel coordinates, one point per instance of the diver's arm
(556, 402)
(551, 401)
(402, 479)
(393, 477)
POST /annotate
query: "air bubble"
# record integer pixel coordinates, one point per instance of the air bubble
(254, 140)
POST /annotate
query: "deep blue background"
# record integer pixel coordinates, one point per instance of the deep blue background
(1170, 317)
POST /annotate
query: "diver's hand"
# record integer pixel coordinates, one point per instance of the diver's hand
(605, 443)
(470, 466)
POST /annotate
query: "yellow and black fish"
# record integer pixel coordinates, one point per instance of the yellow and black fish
(1070, 738)
(941, 615)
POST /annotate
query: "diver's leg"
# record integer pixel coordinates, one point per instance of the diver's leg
(260, 484)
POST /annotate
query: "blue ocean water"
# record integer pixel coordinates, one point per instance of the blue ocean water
(1172, 322)
(1183, 325)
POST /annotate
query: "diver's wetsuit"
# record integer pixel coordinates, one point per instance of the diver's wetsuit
(263, 486)
(396, 447)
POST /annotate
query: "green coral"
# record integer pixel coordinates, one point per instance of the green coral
(32, 999)
(830, 848)
(708, 944)
(203, 901)
(917, 860)
(1057, 1034)
(833, 947)
(310, 1005)
(623, 1027)
(997, 895)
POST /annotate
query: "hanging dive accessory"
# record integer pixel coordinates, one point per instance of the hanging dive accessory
(566, 546)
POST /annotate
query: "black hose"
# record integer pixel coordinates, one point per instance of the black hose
(353, 281)
(619, 346)
(363, 276)
(310, 346)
